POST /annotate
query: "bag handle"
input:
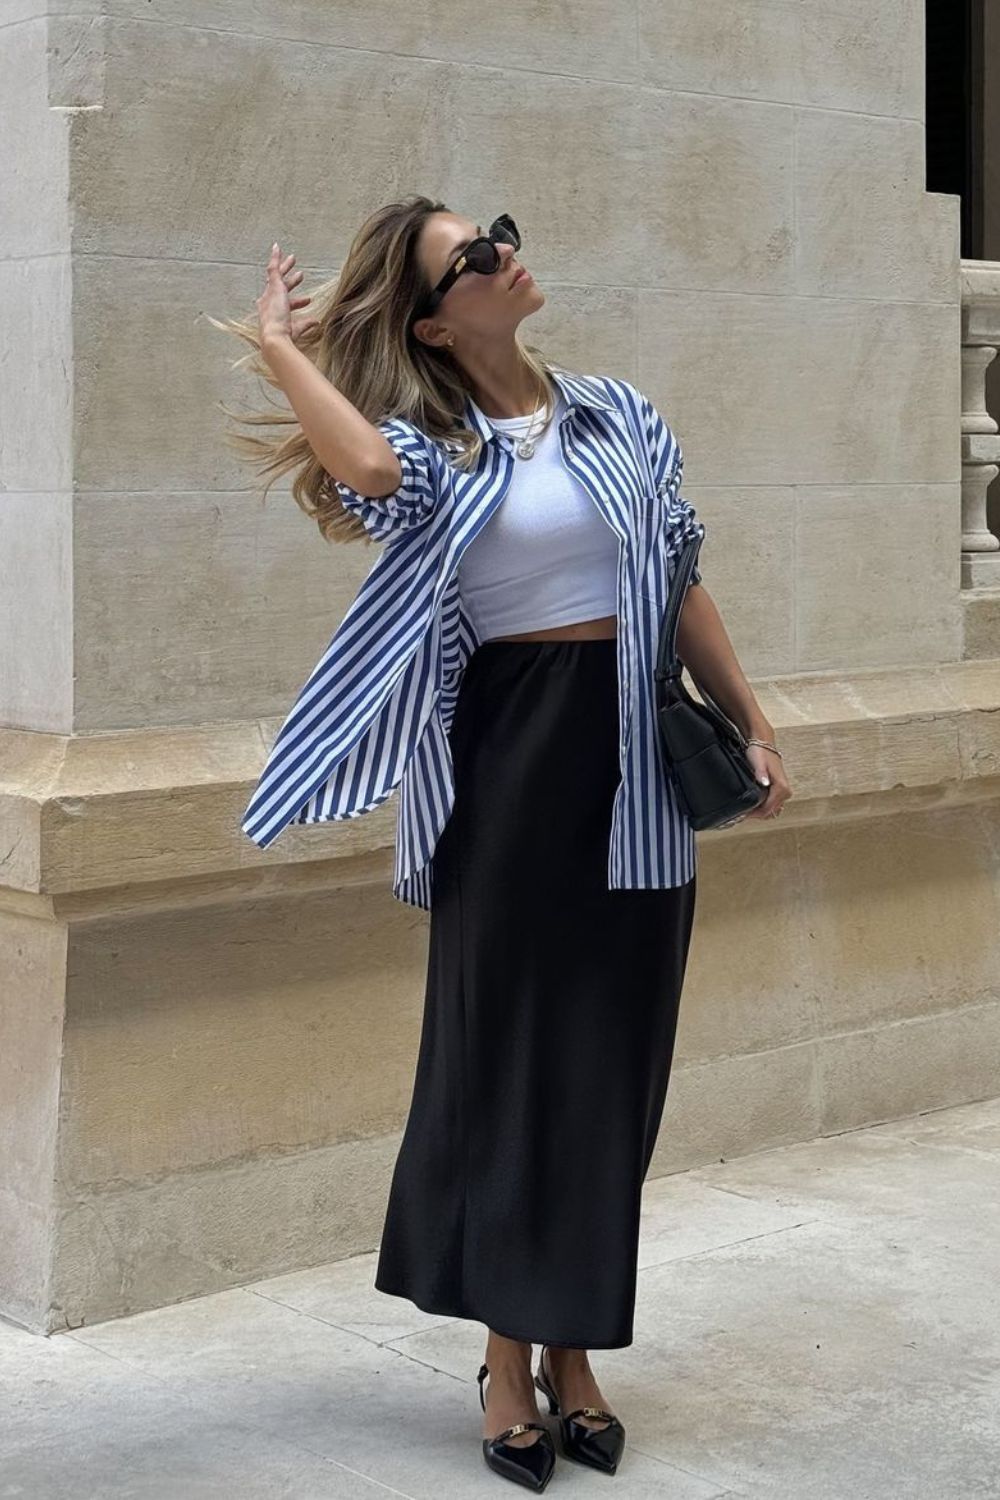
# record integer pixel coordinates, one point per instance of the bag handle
(669, 666)
(668, 663)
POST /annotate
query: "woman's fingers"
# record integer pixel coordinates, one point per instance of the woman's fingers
(306, 326)
(284, 266)
(273, 305)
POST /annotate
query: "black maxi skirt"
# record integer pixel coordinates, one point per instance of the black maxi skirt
(549, 1018)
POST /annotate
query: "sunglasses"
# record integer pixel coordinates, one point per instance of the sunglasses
(480, 254)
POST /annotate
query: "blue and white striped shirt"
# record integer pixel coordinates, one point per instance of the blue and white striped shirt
(375, 712)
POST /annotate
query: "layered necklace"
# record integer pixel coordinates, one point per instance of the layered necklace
(524, 446)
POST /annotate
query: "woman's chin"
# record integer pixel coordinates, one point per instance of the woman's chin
(533, 302)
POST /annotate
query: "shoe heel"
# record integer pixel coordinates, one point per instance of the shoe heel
(552, 1404)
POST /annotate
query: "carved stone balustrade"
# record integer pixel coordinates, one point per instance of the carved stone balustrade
(980, 439)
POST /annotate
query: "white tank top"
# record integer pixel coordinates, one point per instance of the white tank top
(546, 556)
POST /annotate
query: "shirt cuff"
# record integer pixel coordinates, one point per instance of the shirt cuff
(413, 500)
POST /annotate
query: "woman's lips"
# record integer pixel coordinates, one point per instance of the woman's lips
(522, 275)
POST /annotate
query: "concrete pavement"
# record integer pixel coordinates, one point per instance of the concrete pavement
(821, 1320)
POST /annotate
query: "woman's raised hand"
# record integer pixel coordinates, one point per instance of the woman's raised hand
(274, 305)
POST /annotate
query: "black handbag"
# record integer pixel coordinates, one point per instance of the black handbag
(703, 750)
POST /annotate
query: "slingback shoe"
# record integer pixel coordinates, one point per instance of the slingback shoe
(530, 1463)
(600, 1447)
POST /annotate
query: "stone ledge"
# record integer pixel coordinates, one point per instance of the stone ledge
(155, 813)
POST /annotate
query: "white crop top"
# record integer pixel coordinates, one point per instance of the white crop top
(546, 556)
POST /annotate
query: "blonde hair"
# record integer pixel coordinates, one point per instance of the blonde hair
(363, 343)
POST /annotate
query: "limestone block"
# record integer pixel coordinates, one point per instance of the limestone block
(877, 575)
(141, 1245)
(148, 407)
(583, 206)
(843, 931)
(33, 965)
(718, 210)
(36, 609)
(856, 56)
(842, 55)
(899, 916)
(202, 145)
(585, 328)
(592, 39)
(768, 1097)
(981, 620)
(864, 223)
(193, 607)
(36, 378)
(980, 576)
(79, 44)
(747, 561)
(215, 1034)
(885, 1072)
(749, 985)
(775, 390)
(35, 220)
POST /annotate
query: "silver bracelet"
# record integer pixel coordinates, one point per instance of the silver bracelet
(766, 744)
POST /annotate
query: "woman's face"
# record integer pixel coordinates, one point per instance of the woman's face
(474, 307)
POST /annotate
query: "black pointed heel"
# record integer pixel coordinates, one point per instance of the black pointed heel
(530, 1464)
(600, 1447)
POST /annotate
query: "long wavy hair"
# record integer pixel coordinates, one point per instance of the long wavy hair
(363, 343)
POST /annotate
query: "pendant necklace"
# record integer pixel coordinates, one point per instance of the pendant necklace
(524, 446)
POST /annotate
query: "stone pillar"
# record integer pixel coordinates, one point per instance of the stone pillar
(980, 443)
(187, 1040)
(36, 639)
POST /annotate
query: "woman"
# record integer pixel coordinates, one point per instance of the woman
(496, 665)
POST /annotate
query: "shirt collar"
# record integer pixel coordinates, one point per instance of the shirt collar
(577, 390)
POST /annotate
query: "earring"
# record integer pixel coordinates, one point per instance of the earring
(450, 342)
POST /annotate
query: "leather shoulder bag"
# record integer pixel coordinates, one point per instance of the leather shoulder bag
(703, 750)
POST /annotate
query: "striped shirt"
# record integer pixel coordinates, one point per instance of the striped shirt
(375, 712)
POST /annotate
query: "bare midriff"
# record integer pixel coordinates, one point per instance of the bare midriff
(580, 630)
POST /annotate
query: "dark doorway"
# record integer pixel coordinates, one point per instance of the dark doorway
(962, 107)
(954, 111)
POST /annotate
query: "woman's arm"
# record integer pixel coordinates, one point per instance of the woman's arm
(351, 449)
(703, 645)
(387, 475)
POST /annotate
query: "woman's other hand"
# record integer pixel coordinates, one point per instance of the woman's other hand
(275, 305)
(768, 767)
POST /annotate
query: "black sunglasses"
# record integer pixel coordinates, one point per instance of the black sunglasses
(480, 254)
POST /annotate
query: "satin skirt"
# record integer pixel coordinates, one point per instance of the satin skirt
(549, 1018)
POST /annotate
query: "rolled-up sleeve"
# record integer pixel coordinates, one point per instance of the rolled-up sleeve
(414, 499)
(667, 460)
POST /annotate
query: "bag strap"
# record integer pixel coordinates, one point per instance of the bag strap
(668, 663)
